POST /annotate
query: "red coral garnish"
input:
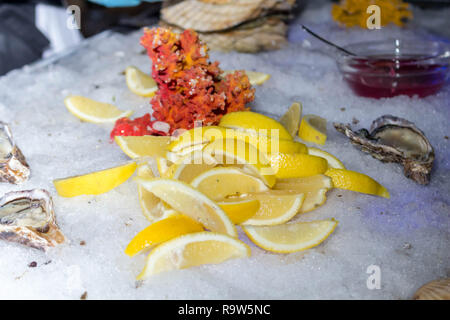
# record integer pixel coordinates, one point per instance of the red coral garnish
(190, 88)
(138, 127)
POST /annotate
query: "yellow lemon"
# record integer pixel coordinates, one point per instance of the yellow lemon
(94, 111)
(291, 119)
(221, 182)
(95, 182)
(290, 237)
(140, 83)
(185, 199)
(191, 250)
(141, 146)
(297, 165)
(255, 123)
(239, 210)
(313, 129)
(333, 162)
(355, 181)
(161, 231)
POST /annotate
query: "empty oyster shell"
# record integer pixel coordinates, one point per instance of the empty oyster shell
(27, 217)
(434, 290)
(393, 139)
(13, 166)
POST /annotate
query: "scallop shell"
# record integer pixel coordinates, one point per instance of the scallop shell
(219, 15)
(434, 290)
(13, 166)
(393, 139)
(27, 217)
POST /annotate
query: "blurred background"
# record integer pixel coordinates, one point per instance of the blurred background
(31, 30)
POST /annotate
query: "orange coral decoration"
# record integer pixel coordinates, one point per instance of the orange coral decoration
(352, 13)
(191, 89)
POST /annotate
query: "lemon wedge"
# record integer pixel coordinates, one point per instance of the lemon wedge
(152, 207)
(185, 199)
(275, 208)
(141, 146)
(304, 184)
(291, 237)
(291, 119)
(139, 82)
(95, 182)
(313, 129)
(255, 123)
(218, 183)
(162, 231)
(233, 151)
(191, 250)
(355, 181)
(239, 210)
(333, 162)
(190, 166)
(163, 165)
(287, 165)
(254, 77)
(94, 111)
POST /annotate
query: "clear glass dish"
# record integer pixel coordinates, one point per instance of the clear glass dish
(396, 67)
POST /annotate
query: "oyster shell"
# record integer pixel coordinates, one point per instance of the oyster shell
(13, 166)
(434, 290)
(27, 217)
(393, 139)
(219, 15)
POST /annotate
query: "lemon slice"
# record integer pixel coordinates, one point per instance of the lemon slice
(152, 207)
(255, 123)
(190, 166)
(305, 184)
(239, 210)
(291, 237)
(313, 129)
(95, 182)
(163, 165)
(287, 165)
(140, 83)
(191, 250)
(218, 183)
(333, 162)
(93, 111)
(355, 181)
(185, 199)
(233, 151)
(196, 136)
(254, 77)
(141, 146)
(274, 208)
(291, 119)
(161, 231)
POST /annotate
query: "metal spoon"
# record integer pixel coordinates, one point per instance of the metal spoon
(328, 42)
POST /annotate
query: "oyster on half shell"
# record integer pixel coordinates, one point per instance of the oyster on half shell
(27, 217)
(13, 166)
(393, 139)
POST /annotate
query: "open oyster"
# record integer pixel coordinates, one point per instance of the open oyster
(27, 217)
(393, 139)
(13, 166)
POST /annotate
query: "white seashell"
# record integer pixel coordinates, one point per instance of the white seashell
(434, 290)
(13, 166)
(27, 217)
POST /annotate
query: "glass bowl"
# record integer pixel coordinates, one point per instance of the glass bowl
(395, 67)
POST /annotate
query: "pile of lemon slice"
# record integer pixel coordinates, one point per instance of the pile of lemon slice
(248, 172)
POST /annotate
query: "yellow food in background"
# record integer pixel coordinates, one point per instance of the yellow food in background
(291, 119)
(139, 82)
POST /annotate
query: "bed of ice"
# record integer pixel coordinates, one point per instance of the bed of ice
(407, 237)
